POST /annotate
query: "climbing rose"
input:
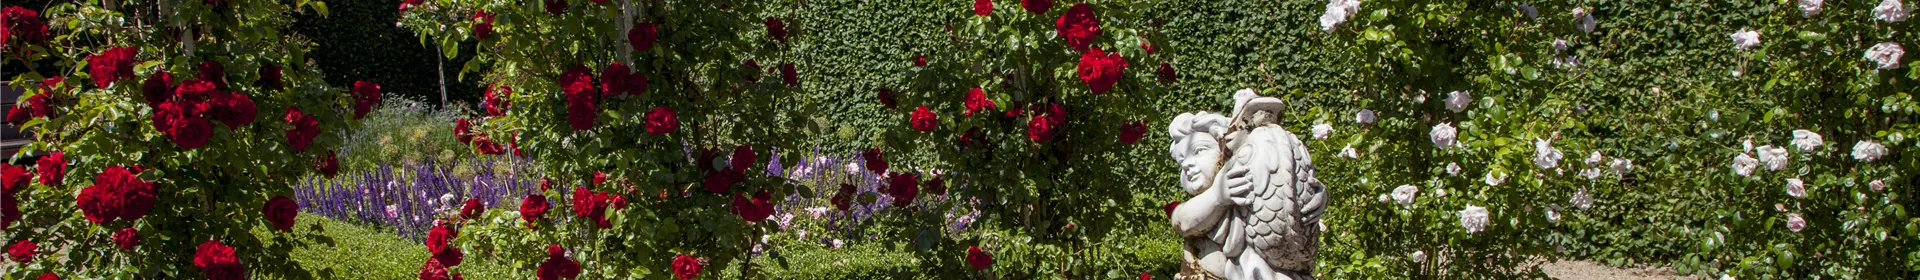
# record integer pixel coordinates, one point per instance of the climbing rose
(1078, 25)
(434, 270)
(1796, 188)
(1745, 39)
(558, 265)
(440, 238)
(13, 178)
(482, 24)
(1774, 158)
(1886, 55)
(1037, 6)
(126, 238)
(1795, 223)
(875, 161)
(686, 267)
(719, 181)
(614, 79)
(1474, 218)
(158, 88)
(463, 131)
(844, 199)
(1405, 194)
(270, 77)
(1046, 122)
(662, 120)
(977, 101)
(1807, 141)
(21, 24)
(972, 138)
(532, 207)
(1101, 70)
(752, 76)
(886, 98)
(17, 115)
(472, 208)
(305, 128)
(642, 36)
(404, 4)
(1891, 11)
(232, 108)
(111, 65)
(982, 7)
(754, 209)
(777, 29)
(280, 212)
(22, 252)
(919, 61)
(365, 95)
(116, 194)
(41, 105)
(1167, 74)
(582, 99)
(486, 145)
(1808, 8)
(903, 187)
(1443, 135)
(1867, 150)
(218, 261)
(583, 202)
(329, 165)
(1458, 100)
(1132, 131)
(213, 72)
(556, 7)
(788, 75)
(497, 99)
(978, 259)
(53, 169)
(924, 120)
(743, 158)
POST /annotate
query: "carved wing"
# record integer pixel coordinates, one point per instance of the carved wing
(1283, 199)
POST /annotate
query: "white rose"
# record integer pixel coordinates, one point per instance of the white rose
(1807, 140)
(1796, 188)
(1590, 173)
(1746, 146)
(1404, 194)
(1621, 166)
(1443, 135)
(1530, 11)
(1877, 185)
(1384, 198)
(1744, 165)
(1332, 19)
(1544, 155)
(1581, 199)
(1808, 8)
(1868, 150)
(1321, 131)
(1453, 169)
(1745, 39)
(1891, 11)
(1584, 20)
(1775, 158)
(1440, 192)
(1553, 215)
(1419, 256)
(1364, 116)
(1474, 218)
(1795, 223)
(1492, 180)
(1458, 100)
(1595, 158)
(1886, 54)
(1561, 45)
(1349, 152)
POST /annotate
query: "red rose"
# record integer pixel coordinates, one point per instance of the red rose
(777, 29)
(720, 181)
(218, 261)
(440, 238)
(977, 101)
(1167, 74)
(532, 208)
(22, 24)
(158, 88)
(662, 120)
(365, 95)
(545, 185)
(903, 187)
(111, 65)
(686, 267)
(9, 209)
(513, 143)
(53, 169)
(270, 77)
(305, 128)
(886, 98)
(404, 4)
(788, 75)
(1144, 276)
(705, 161)
(451, 257)
(280, 212)
(179, 120)
(618, 201)
(1037, 6)
(486, 146)
(41, 105)
(601, 201)
(982, 7)
(924, 120)
(558, 265)
(743, 158)
(919, 61)
(329, 165)
(875, 161)
(756, 209)
(233, 109)
(642, 35)
(126, 238)
(48, 276)
(482, 24)
(498, 100)
(17, 115)
(752, 76)
(1132, 131)
(463, 131)
(213, 72)
(556, 7)
(1169, 208)
(472, 209)
(23, 251)
(1145, 45)
(613, 79)
(972, 138)
(13, 178)
(1100, 70)
(433, 270)
(583, 100)
(1046, 122)
(117, 193)
(978, 259)
(844, 199)
(1078, 26)
(599, 178)
(583, 202)
(936, 186)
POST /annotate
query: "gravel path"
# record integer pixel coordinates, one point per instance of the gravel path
(1585, 270)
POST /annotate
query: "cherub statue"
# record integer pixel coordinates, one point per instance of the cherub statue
(1255, 214)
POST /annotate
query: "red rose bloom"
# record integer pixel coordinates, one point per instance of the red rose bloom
(1078, 26)
(158, 88)
(752, 76)
(545, 185)
(903, 187)
(583, 202)
(532, 208)
(305, 128)
(513, 143)
(463, 131)
(788, 75)
(117, 193)
(23, 251)
(218, 261)
(17, 115)
(1144, 45)
(662, 120)
(977, 101)
(233, 109)
(556, 7)
(21, 24)
(720, 181)
(48, 276)
(844, 199)
(497, 99)
(365, 95)
(886, 98)
(53, 169)
(924, 120)
(1169, 208)
(978, 259)
(972, 138)
(1100, 70)
(1167, 74)
(583, 100)
(599, 178)
(440, 238)
(558, 265)
(982, 7)
(270, 77)
(482, 25)
(9, 209)
(472, 209)
(686, 267)
(450, 257)
(13, 178)
(329, 165)
(486, 146)
(1046, 122)
(213, 72)
(936, 186)
(1037, 6)
(753, 210)
(41, 105)
(126, 238)
(777, 29)
(617, 201)
(111, 65)
(875, 161)
(642, 36)
(919, 61)
(1132, 131)
(180, 121)
(613, 79)
(280, 212)
(433, 270)
(405, 4)
(743, 158)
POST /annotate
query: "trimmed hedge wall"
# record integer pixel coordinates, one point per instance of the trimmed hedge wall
(357, 41)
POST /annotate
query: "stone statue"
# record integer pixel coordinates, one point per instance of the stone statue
(1256, 208)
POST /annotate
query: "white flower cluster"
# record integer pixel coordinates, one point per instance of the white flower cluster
(1404, 194)
(1868, 150)
(1877, 185)
(1581, 199)
(1795, 223)
(1807, 141)
(1365, 117)
(1583, 19)
(1544, 155)
(1886, 54)
(1349, 152)
(1774, 158)
(1321, 131)
(1808, 8)
(1796, 188)
(1474, 218)
(1891, 11)
(1745, 39)
(1458, 100)
(1443, 135)
(1338, 11)
(1492, 180)
(1744, 165)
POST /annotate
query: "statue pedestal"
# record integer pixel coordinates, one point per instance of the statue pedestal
(1193, 271)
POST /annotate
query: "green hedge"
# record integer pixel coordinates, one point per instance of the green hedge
(357, 41)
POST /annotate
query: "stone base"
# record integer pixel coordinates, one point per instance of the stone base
(1193, 271)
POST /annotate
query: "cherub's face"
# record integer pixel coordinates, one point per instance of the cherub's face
(1202, 162)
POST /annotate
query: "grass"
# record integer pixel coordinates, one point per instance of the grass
(347, 251)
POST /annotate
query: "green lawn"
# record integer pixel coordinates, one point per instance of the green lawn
(353, 252)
